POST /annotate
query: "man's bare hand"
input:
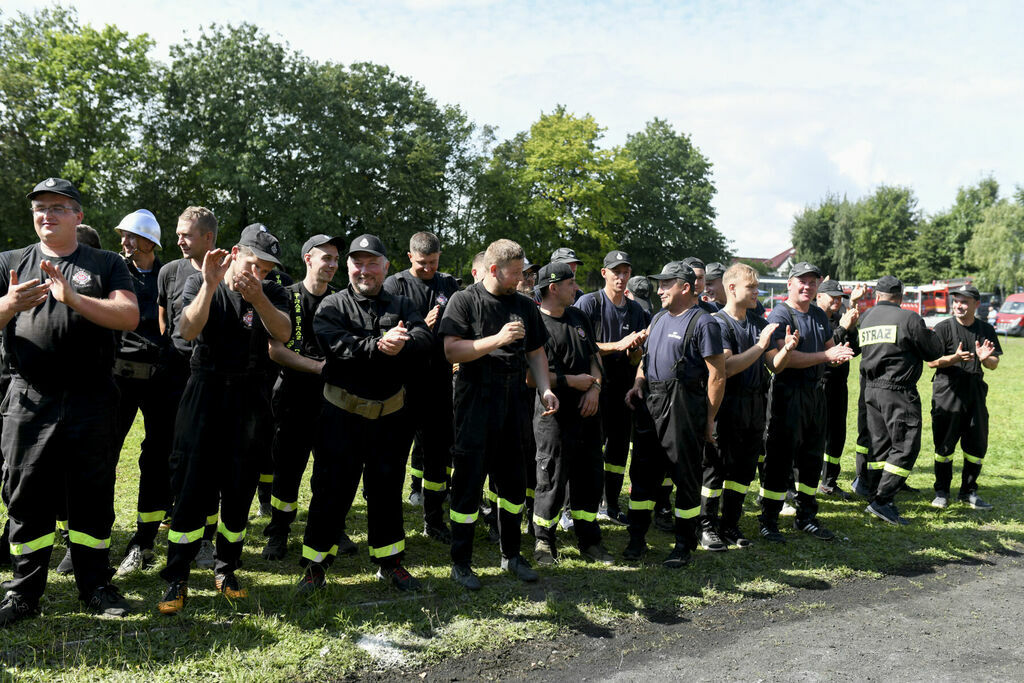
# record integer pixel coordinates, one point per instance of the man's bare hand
(764, 340)
(432, 316)
(840, 353)
(579, 382)
(635, 396)
(550, 402)
(59, 287)
(849, 319)
(590, 401)
(394, 339)
(792, 339)
(249, 286)
(709, 433)
(511, 332)
(215, 265)
(985, 350)
(25, 295)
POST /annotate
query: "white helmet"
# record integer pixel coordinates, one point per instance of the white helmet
(142, 223)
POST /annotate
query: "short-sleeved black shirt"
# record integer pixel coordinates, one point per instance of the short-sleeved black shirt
(815, 332)
(170, 285)
(51, 346)
(570, 346)
(475, 313)
(144, 343)
(738, 336)
(611, 323)
(234, 340)
(425, 294)
(665, 346)
(953, 334)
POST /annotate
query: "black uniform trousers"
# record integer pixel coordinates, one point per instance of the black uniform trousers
(489, 440)
(740, 433)
(296, 411)
(617, 421)
(159, 408)
(675, 415)
(214, 443)
(863, 447)
(349, 447)
(264, 442)
(959, 414)
(836, 399)
(58, 451)
(430, 404)
(568, 464)
(794, 446)
(894, 422)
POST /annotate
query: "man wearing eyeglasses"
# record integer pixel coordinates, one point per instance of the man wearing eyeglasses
(60, 303)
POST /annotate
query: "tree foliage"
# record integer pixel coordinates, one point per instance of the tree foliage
(997, 245)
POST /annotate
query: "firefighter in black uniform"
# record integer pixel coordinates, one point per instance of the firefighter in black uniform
(681, 381)
(230, 312)
(59, 302)
(140, 373)
(795, 435)
(493, 333)
(959, 391)
(298, 391)
(843, 324)
(375, 342)
(568, 442)
(894, 343)
(196, 234)
(621, 328)
(430, 402)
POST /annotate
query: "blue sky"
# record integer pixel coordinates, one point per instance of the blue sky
(790, 101)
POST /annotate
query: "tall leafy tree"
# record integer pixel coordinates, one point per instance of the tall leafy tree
(997, 245)
(812, 234)
(886, 226)
(940, 244)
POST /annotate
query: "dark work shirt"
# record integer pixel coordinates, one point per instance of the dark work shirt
(425, 294)
(815, 332)
(144, 343)
(475, 313)
(302, 307)
(840, 335)
(611, 323)
(570, 346)
(893, 343)
(170, 285)
(737, 337)
(952, 334)
(234, 340)
(51, 346)
(348, 326)
(665, 346)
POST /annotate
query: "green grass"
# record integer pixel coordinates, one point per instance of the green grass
(274, 635)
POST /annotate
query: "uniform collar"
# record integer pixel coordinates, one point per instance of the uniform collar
(383, 297)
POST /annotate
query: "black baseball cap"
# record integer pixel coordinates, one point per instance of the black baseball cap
(889, 284)
(554, 272)
(804, 268)
(639, 285)
(967, 290)
(56, 186)
(616, 258)
(714, 271)
(370, 244)
(319, 241)
(832, 288)
(564, 255)
(676, 270)
(693, 262)
(262, 243)
(527, 266)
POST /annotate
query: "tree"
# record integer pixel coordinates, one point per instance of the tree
(812, 234)
(670, 215)
(997, 246)
(885, 227)
(72, 100)
(939, 247)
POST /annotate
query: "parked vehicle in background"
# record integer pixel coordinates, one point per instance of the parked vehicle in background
(1010, 319)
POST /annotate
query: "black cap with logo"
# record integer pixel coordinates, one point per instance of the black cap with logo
(616, 258)
(319, 241)
(714, 271)
(554, 272)
(967, 290)
(832, 288)
(804, 268)
(676, 270)
(56, 186)
(262, 243)
(369, 244)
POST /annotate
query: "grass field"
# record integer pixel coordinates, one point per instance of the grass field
(275, 635)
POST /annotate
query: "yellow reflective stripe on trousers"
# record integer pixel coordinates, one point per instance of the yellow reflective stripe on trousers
(33, 545)
(491, 495)
(82, 538)
(530, 493)
(893, 469)
(62, 524)
(415, 472)
(687, 514)
(735, 486)
(266, 479)
(149, 517)
(283, 506)
(212, 519)
(943, 458)
(584, 515)
(614, 469)
(760, 458)
(232, 536)
(876, 465)
(463, 519)
(388, 550)
(973, 458)
(804, 488)
(772, 495)
(546, 523)
(317, 556)
(831, 460)
(450, 470)
(509, 506)
(705, 492)
(184, 536)
(434, 485)
(641, 504)
(667, 481)
(863, 450)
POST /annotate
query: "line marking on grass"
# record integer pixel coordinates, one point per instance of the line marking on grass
(381, 649)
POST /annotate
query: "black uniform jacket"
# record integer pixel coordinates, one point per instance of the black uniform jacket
(893, 343)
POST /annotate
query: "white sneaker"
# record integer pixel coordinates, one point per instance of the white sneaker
(416, 499)
(787, 510)
(136, 559)
(205, 558)
(565, 521)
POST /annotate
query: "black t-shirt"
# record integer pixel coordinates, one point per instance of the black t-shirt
(51, 346)
(570, 345)
(665, 346)
(815, 332)
(425, 294)
(170, 285)
(953, 334)
(475, 313)
(611, 323)
(144, 343)
(234, 340)
(738, 336)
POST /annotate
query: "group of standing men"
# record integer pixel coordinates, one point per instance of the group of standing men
(544, 396)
